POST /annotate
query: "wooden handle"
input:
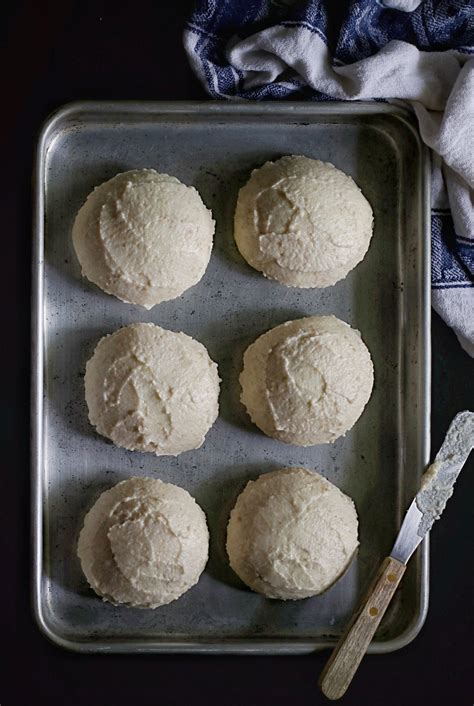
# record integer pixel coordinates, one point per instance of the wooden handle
(348, 653)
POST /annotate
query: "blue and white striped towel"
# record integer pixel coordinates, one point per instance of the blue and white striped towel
(421, 53)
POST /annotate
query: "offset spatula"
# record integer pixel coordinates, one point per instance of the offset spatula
(427, 506)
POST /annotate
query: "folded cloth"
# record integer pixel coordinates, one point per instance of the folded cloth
(421, 53)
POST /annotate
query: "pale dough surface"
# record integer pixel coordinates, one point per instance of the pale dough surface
(150, 389)
(144, 237)
(307, 381)
(291, 534)
(302, 222)
(144, 543)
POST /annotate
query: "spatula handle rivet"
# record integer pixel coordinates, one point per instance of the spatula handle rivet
(373, 611)
(392, 578)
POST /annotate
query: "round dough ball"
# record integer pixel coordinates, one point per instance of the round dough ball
(149, 389)
(302, 222)
(144, 543)
(143, 237)
(307, 381)
(291, 534)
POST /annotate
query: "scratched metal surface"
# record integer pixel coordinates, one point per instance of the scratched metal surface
(213, 146)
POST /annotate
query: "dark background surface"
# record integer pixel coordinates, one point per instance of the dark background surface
(54, 52)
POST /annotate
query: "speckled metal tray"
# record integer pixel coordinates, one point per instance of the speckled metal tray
(214, 146)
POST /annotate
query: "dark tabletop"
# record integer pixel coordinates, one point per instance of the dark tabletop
(55, 52)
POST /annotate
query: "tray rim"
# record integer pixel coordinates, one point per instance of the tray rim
(242, 646)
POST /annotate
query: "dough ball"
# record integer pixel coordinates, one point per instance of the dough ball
(307, 381)
(149, 389)
(143, 237)
(302, 222)
(291, 534)
(144, 543)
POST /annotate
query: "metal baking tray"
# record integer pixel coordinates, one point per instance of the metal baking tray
(214, 146)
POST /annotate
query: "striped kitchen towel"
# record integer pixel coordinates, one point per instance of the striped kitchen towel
(421, 53)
